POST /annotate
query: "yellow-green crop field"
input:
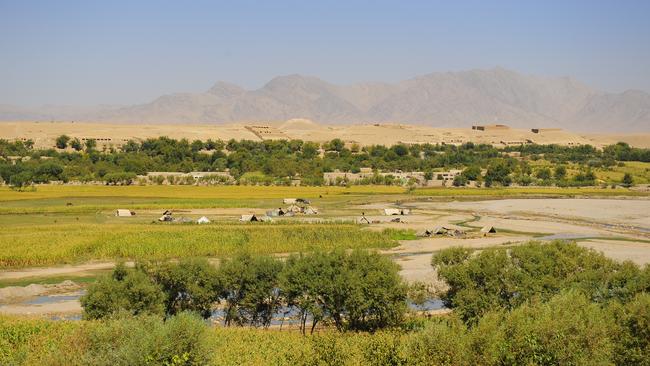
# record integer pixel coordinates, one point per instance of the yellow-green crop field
(57, 224)
(92, 198)
(32, 341)
(39, 245)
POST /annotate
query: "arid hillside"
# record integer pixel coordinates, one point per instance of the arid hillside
(44, 133)
(448, 100)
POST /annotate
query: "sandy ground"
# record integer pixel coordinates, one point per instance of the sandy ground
(607, 211)
(54, 271)
(636, 252)
(44, 133)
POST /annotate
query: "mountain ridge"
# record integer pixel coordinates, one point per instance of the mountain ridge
(438, 99)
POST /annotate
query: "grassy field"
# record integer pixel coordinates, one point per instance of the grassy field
(640, 171)
(86, 199)
(37, 342)
(39, 245)
(70, 224)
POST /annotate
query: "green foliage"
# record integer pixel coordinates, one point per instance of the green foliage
(356, 291)
(130, 291)
(278, 162)
(122, 178)
(21, 180)
(566, 330)
(472, 173)
(62, 141)
(146, 340)
(633, 336)
(76, 144)
(498, 173)
(190, 285)
(91, 144)
(249, 287)
(627, 181)
(543, 173)
(506, 278)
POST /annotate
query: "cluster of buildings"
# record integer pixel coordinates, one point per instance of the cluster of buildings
(439, 179)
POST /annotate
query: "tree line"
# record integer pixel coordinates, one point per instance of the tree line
(278, 162)
(359, 291)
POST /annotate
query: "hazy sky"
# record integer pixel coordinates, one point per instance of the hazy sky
(124, 52)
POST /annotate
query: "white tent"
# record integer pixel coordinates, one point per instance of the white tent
(391, 211)
(165, 218)
(488, 229)
(120, 212)
(248, 218)
(294, 209)
(310, 211)
(364, 220)
(203, 220)
(289, 201)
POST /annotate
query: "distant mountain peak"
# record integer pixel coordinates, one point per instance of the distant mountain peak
(224, 89)
(445, 99)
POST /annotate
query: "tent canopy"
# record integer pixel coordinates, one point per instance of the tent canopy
(120, 212)
(488, 229)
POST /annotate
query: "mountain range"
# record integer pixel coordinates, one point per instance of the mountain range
(449, 99)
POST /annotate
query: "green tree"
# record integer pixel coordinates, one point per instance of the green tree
(633, 333)
(76, 144)
(501, 278)
(543, 173)
(567, 330)
(20, 180)
(91, 144)
(498, 172)
(460, 181)
(249, 287)
(628, 181)
(126, 290)
(560, 172)
(472, 173)
(191, 285)
(62, 141)
(119, 178)
(356, 291)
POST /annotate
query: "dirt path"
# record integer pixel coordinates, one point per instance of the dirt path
(56, 271)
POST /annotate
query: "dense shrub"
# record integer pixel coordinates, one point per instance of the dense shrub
(356, 291)
(130, 291)
(506, 278)
(191, 285)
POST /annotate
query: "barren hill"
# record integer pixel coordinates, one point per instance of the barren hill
(452, 99)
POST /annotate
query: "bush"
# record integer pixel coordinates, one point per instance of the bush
(147, 340)
(119, 178)
(356, 291)
(567, 330)
(62, 141)
(191, 285)
(126, 291)
(633, 337)
(507, 278)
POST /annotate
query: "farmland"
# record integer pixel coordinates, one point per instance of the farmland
(59, 233)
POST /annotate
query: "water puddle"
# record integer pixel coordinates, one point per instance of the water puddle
(52, 299)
